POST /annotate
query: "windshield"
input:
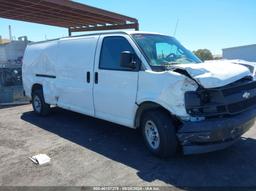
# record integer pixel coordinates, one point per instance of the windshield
(164, 51)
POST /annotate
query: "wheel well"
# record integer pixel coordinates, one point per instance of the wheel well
(36, 87)
(147, 106)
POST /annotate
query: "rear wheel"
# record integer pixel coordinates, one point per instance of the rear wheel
(159, 133)
(39, 105)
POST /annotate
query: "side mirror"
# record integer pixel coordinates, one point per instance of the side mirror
(128, 60)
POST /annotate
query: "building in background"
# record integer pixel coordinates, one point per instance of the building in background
(11, 54)
(247, 53)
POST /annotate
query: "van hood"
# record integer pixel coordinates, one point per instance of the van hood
(213, 74)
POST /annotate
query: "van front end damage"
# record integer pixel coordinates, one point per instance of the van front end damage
(228, 100)
(229, 112)
(214, 134)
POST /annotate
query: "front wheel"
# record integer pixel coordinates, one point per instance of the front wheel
(159, 133)
(39, 105)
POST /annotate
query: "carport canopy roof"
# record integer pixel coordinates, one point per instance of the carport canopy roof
(74, 16)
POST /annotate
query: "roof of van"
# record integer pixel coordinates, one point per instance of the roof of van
(113, 32)
(100, 33)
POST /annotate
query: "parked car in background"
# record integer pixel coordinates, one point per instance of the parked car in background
(147, 81)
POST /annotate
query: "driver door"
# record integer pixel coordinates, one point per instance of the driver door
(115, 88)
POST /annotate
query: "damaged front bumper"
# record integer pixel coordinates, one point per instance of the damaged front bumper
(214, 134)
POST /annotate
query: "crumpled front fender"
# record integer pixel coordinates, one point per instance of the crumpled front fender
(166, 89)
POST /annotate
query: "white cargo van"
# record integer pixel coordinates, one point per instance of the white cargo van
(147, 81)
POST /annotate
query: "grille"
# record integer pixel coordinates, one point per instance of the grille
(228, 100)
(242, 105)
(236, 89)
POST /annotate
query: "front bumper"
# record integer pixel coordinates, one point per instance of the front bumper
(214, 134)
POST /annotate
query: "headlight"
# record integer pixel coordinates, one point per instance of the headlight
(197, 99)
(204, 97)
(202, 103)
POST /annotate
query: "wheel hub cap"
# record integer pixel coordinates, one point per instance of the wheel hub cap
(37, 104)
(152, 134)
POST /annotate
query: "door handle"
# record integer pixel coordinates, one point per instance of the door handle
(88, 77)
(96, 78)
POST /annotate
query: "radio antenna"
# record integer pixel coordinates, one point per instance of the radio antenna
(176, 27)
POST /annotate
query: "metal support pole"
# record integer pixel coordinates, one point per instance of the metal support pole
(137, 28)
(10, 32)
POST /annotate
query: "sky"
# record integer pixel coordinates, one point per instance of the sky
(211, 24)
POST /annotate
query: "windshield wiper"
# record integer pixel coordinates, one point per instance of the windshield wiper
(170, 65)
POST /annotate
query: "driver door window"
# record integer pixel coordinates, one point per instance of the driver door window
(112, 48)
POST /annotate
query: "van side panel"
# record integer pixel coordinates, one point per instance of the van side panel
(75, 60)
(40, 60)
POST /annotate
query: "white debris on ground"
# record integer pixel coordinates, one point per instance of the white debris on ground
(40, 159)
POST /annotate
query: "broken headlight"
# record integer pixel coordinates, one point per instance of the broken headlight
(202, 103)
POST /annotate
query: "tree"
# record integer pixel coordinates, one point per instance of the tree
(203, 54)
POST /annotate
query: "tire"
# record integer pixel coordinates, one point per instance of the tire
(159, 133)
(40, 107)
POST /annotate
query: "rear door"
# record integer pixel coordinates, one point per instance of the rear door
(115, 88)
(75, 69)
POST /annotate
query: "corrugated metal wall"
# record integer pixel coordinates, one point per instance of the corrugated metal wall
(247, 53)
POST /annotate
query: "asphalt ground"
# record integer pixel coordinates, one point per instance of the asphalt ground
(89, 152)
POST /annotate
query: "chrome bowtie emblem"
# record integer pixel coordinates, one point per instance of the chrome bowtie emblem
(246, 95)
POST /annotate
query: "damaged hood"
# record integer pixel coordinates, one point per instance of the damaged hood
(215, 73)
